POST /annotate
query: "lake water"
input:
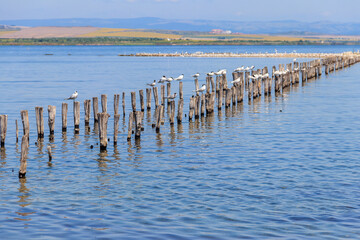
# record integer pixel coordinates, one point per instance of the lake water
(283, 167)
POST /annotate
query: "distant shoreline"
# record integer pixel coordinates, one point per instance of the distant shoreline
(241, 55)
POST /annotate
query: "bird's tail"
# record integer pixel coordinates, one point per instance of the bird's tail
(66, 98)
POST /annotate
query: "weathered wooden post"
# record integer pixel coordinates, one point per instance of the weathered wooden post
(156, 96)
(228, 94)
(51, 119)
(197, 106)
(208, 84)
(213, 89)
(202, 100)
(24, 151)
(25, 121)
(87, 110)
(116, 103)
(148, 98)
(141, 96)
(116, 127)
(133, 101)
(95, 108)
(158, 118)
(196, 84)
(191, 108)
(130, 127)
(168, 90)
(172, 112)
(76, 109)
(17, 130)
(103, 121)
(103, 103)
(123, 103)
(181, 93)
(64, 110)
(39, 121)
(138, 120)
(180, 110)
(3, 129)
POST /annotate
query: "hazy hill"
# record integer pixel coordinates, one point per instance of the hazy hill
(273, 27)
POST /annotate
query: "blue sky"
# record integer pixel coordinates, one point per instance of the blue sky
(237, 10)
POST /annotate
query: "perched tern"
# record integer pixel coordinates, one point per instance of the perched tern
(170, 79)
(152, 84)
(171, 96)
(203, 88)
(252, 67)
(162, 79)
(239, 69)
(179, 78)
(196, 75)
(236, 80)
(210, 73)
(73, 96)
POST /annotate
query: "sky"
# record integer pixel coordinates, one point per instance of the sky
(234, 10)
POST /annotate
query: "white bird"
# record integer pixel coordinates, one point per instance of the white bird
(266, 75)
(179, 78)
(162, 79)
(203, 88)
(237, 80)
(73, 96)
(223, 71)
(257, 76)
(252, 77)
(294, 60)
(277, 72)
(246, 69)
(171, 96)
(239, 69)
(170, 79)
(252, 67)
(210, 73)
(196, 75)
(152, 84)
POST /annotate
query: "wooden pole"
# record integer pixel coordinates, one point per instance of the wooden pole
(116, 103)
(87, 109)
(116, 127)
(51, 119)
(17, 130)
(103, 103)
(196, 84)
(212, 84)
(156, 96)
(202, 108)
(180, 110)
(123, 103)
(168, 90)
(131, 120)
(133, 101)
(24, 151)
(148, 98)
(172, 112)
(191, 108)
(103, 121)
(142, 105)
(3, 129)
(25, 121)
(181, 94)
(39, 121)
(138, 121)
(197, 107)
(208, 84)
(162, 93)
(158, 118)
(76, 109)
(64, 110)
(95, 108)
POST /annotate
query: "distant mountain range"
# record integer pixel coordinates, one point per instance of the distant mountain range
(271, 27)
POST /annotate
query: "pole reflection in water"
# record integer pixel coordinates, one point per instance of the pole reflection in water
(24, 202)
(159, 140)
(172, 135)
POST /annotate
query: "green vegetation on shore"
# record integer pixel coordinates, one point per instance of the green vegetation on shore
(159, 41)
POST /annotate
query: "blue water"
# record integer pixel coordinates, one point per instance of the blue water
(248, 172)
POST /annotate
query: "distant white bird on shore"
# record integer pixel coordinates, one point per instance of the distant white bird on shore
(73, 96)
(179, 78)
(171, 96)
(203, 88)
(162, 79)
(152, 84)
(170, 79)
(196, 75)
(237, 80)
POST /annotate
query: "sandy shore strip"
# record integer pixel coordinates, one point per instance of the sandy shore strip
(243, 55)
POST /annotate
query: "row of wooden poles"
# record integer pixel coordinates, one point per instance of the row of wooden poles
(199, 105)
